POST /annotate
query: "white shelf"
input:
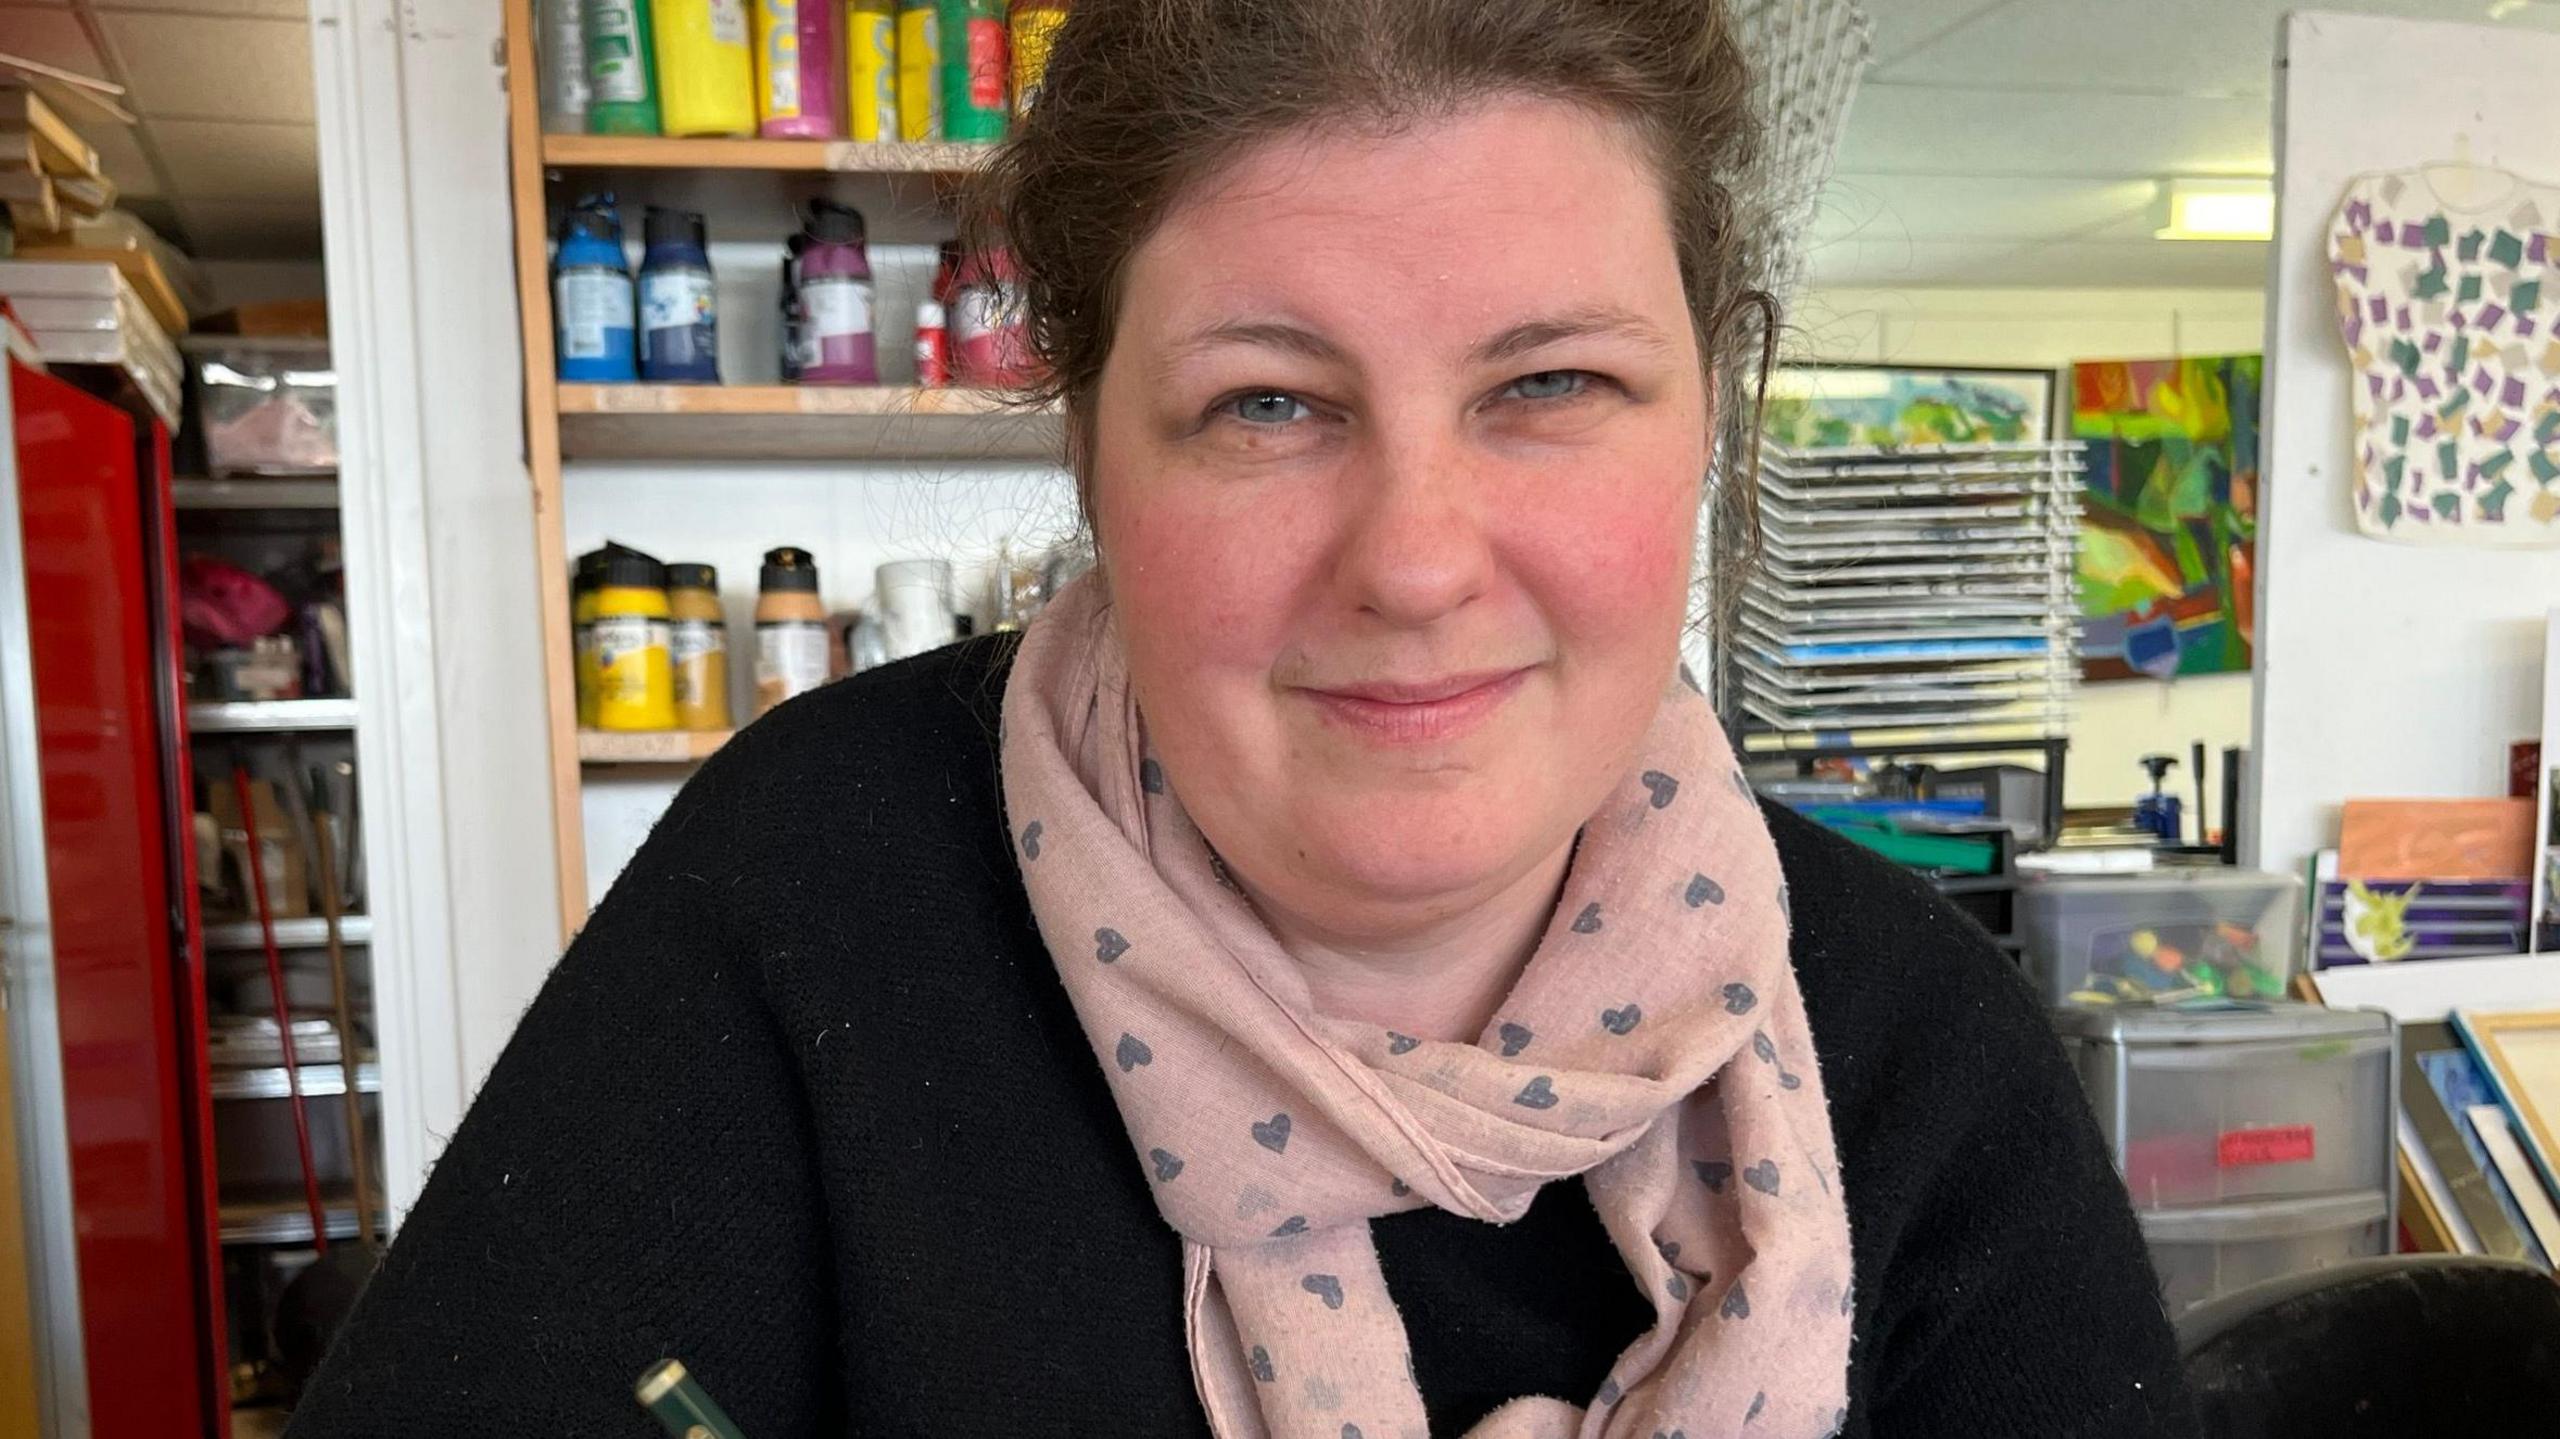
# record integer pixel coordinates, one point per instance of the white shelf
(235, 936)
(270, 716)
(288, 1221)
(319, 1081)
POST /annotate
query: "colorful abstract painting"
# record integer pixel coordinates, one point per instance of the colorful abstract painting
(2169, 537)
(1827, 406)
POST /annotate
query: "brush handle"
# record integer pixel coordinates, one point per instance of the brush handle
(671, 1396)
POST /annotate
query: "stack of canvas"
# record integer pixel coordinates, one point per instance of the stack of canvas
(1928, 587)
(86, 313)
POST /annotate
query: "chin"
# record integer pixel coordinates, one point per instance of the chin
(1412, 850)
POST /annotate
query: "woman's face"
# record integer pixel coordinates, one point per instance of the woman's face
(1397, 457)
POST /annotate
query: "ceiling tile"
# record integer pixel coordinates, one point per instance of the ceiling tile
(250, 230)
(212, 160)
(121, 154)
(50, 36)
(2189, 47)
(1900, 128)
(1902, 27)
(200, 68)
(1912, 207)
(2128, 264)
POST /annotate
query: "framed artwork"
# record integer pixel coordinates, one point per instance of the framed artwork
(2169, 523)
(1832, 406)
(2519, 1052)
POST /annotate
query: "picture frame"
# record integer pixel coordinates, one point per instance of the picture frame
(2443, 1166)
(1829, 405)
(2519, 1052)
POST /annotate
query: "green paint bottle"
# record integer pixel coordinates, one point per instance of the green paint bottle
(622, 79)
(976, 76)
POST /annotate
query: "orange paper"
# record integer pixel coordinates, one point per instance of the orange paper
(2442, 839)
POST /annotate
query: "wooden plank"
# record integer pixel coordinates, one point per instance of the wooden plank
(30, 196)
(2439, 839)
(838, 157)
(542, 463)
(791, 422)
(59, 148)
(657, 747)
(86, 196)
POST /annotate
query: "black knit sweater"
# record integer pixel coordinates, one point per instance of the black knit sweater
(806, 1107)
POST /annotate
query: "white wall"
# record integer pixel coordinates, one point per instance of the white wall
(2387, 669)
(2116, 723)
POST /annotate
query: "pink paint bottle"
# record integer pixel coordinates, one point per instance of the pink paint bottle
(796, 69)
(990, 334)
(838, 345)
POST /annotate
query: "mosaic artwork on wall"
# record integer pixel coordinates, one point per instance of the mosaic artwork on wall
(1831, 406)
(2169, 524)
(2448, 301)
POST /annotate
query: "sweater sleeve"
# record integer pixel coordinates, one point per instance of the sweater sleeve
(2020, 1300)
(634, 1182)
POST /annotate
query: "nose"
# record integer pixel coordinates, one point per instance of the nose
(1415, 545)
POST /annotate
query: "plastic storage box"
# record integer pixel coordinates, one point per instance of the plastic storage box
(2203, 1253)
(2211, 932)
(265, 406)
(2226, 1105)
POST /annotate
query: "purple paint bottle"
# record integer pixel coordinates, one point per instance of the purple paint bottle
(838, 346)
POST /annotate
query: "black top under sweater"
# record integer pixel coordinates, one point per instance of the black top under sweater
(806, 1107)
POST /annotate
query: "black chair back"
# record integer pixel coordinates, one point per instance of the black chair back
(2393, 1348)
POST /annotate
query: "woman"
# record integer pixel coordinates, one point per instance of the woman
(1332, 980)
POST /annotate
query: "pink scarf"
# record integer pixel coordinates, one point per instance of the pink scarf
(1656, 1045)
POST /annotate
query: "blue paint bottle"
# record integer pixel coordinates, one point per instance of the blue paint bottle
(591, 303)
(679, 329)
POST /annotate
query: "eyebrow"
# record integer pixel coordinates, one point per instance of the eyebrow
(1521, 339)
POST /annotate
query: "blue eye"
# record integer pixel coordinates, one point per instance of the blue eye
(1550, 385)
(1267, 407)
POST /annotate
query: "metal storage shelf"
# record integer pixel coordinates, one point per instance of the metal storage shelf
(319, 1081)
(288, 1221)
(270, 716)
(300, 493)
(300, 933)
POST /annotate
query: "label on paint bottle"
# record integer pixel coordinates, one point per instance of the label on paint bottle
(729, 22)
(791, 659)
(592, 301)
(839, 308)
(987, 65)
(675, 300)
(615, 69)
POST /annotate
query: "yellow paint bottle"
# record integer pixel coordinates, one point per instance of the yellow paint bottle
(919, 70)
(706, 68)
(634, 646)
(871, 70)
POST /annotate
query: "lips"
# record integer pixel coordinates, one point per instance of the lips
(1424, 711)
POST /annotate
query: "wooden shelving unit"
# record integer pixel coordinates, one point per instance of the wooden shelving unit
(793, 422)
(661, 747)
(568, 422)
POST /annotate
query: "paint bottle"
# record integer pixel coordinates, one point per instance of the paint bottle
(919, 70)
(795, 316)
(836, 299)
(583, 581)
(591, 300)
(622, 68)
(1035, 34)
(871, 70)
(698, 640)
(933, 346)
(990, 339)
(706, 69)
(634, 664)
(560, 65)
(791, 628)
(796, 69)
(974, 71)
(679, 312)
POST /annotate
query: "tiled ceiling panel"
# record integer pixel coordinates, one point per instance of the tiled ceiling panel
(195, 67)
(2065, 134)
(268, 9)
(49, 36)
(213, 159)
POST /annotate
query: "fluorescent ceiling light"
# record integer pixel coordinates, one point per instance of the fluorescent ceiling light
(2217, 210)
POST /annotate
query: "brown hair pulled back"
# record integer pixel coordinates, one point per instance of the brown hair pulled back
(1143, 97)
